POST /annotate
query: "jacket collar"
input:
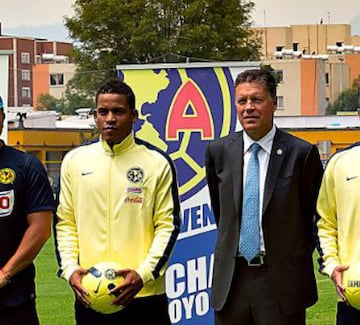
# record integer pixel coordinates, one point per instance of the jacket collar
(119, 148)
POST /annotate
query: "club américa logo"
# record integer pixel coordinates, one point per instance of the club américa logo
(180, 111)
(7, 176)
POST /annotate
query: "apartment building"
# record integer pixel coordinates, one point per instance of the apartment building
(316, 63)
(304, 39)
(26, 52)
(51, 78)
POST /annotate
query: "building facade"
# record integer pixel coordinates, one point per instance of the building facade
(316, 63)
(304, 39)
(26, 52)
(51, 78)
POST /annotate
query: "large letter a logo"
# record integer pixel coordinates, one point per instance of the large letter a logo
(189, 111)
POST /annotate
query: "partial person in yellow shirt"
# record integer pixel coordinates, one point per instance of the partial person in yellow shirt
(339, 225)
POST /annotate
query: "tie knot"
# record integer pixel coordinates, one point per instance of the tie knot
(255, 148)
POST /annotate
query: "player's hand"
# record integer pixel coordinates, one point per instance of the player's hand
(75, 283)
(4, 278)
(127, 290)
(3, 281)
(336, 276)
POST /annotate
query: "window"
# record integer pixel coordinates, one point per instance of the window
(327, 78)
(25, 92)
(56, 79)
(279, 48)
(25, 57)
(295, 46)
(280, 102)
(38, 59)
(25, 74)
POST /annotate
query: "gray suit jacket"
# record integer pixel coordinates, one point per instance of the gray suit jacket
(288, 221)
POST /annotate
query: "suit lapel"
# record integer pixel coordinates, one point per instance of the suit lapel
(277, 158)
(236, 147)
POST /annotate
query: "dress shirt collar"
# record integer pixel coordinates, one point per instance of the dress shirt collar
(265, 142)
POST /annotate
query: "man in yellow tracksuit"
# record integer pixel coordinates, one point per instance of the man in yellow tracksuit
(118, 202)
(339, 225)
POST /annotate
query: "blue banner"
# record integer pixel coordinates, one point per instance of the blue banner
(181, 109)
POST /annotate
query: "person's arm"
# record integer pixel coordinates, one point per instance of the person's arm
(66, 235)
(35, 236)
(311, 178)
(327, 224)
(212, 183)
(328, 231)
(38, 203)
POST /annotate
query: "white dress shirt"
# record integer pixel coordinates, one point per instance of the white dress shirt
(266, 143)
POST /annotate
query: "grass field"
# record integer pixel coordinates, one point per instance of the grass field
(55, 298)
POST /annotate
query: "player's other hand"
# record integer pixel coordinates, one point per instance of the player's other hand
(75, 283)
(337, 276)
(128, 289)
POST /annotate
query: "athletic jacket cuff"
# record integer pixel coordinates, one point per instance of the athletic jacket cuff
(69, 271)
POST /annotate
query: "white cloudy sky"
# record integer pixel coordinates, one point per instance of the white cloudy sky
(15, 13)
(290, 12)
(19, 13)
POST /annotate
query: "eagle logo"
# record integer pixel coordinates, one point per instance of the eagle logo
(135, 175)
(7, 176)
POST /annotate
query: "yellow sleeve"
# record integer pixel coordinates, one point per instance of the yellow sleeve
(327, 224)
(65, 229)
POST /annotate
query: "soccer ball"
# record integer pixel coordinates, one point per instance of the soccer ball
(351, 282)
(100, 279)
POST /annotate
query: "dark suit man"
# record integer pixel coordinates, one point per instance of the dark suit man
(278, 284)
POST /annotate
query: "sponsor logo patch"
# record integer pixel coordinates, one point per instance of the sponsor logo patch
(136, 190)
(134, 200)
(6, 203)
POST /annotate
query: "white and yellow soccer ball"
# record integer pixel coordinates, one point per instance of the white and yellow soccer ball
(100, 279)
(351, 283)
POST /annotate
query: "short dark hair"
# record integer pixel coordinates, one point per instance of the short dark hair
(117, 86)
(263, 77)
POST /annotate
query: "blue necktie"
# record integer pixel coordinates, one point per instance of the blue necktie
(250, 230)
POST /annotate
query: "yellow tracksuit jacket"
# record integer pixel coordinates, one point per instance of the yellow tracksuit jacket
(118, 205)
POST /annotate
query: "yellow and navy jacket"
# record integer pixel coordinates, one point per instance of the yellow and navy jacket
(339, 208)
(121, 205)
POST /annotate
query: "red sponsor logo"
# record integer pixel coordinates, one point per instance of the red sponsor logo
(135, 200)
(6, 203)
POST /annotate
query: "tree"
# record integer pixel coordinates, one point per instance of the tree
(348, 100)
(66, 105)
(269, 68)
(48, 102)
(111, 32)
(76, 100)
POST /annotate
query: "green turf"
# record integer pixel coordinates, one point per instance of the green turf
(323, 312)
(55, 298)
